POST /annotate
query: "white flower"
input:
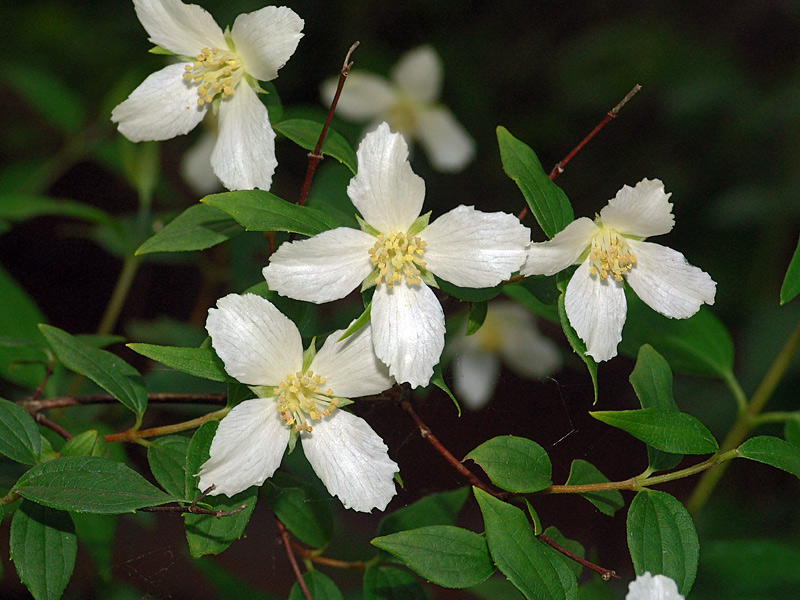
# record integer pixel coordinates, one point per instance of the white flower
(653, 587)
(220, 70)
(194, 165)
(508, 332)
(262, 348)
(409, 104)
(397, 251)
(611, 248)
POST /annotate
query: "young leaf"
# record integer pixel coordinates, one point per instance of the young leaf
(662, 538)
(477, 315)
(320, 585)
(547, 201)
(167, 459)
(89, 484)
(389, 583)
(437, 509)
(577, 343)
(447, 556)
(774, 452)
(513, 463)
(19, 435)
(675, 432)
(303, 510)
(43, 548)
(438, 380)
(197, 228)
(305, 134)
(107, 370)
(531, 566)
(87, 443)
(581, 473)
(200, 362)
(791, 283)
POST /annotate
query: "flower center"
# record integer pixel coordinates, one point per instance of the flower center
(299, 399)
(217, 71)
(610, 255)
(396, 255)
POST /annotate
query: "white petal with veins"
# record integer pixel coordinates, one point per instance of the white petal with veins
(266, 39)
(643, 210)
(180, 28)
(566, 247)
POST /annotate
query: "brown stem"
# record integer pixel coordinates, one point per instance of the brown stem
(34, 406)
(195, 510)
(38, 391)
(307, 554)
(606, 574)
(42, 420)
(287, 543)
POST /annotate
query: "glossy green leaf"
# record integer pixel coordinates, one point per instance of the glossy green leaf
(513, 463)
(107, 370)
(56, 102)
(86, 443)
(548, 202)
(577, 344)
(477, 315)
(19, 434)
(530, 565)
(662, 538)
(772, 451)
(469, 294)
(582, 473)
(303, 510)
(197, 228)
(651, 379)
(526, 298)
(43, 548)
(89, 484)
(167, 459)
(389, 583)
(675, 432)
(791, 283)
(200, 362)
(447, 556)
(306, 133)
(575, 547)
(320, 585)
(440, 508)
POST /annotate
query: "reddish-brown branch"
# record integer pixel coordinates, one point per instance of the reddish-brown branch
(42, 420)
(606, 574)
(38, 391)
(34, 406)
(328, 562)
(287, 543)
(195, 510)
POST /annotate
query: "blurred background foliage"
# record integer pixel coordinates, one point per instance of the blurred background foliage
(717, 120)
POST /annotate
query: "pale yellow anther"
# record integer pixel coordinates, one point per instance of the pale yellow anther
(610, 255)
(300, 400)
(218, 72)
(396, 256)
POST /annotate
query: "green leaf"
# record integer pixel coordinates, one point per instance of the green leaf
(753, 568)
(206, 534)
(107, 370)
(89, 484)
(548, 202)
(577, 344)
(167, 459)
(96, 535)
(320, 585)
(86, 443)
(257, 210)
(469, 294)
(477, 315)
(388, 583)
(437, 379)
(437, 509)
(662, 538)
(303, 510)
(774, 452)
(651, 379)
(513, 463)
(17, 206)
(197, 228)
(306, 133)
(526, 298)
(496, 588)
(582, 473)
(200, 362)
(791, 431)
(362, 320)
(43, 548)
(532, 567)
(56, 102)
(791, 283)
(575, 547)
(19, 435)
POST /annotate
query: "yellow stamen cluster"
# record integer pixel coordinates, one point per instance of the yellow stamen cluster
(217, 71)
(610, 255)
(396, 255)
(299, 398)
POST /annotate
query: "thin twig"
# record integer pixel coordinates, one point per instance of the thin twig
(42, 420)
(33, 405)
(307, 554)
(47, 372)
(135, 435)
(194, 510)
(606, 574)
(287, 543)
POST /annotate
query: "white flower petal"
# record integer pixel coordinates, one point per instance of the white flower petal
(524, 349)
(643, 210)
(448, 145)
(470, 248)
(257, 343)
(266, 39)
(196, 166)
(247, 448)
(475, 375)
(649, 587)
(664, 279)
(419, 74)
(163, 106)
(364, 96)
(325, 267)
(352, 461)
(180, 28)
(408, 331)
(566, 247)
(350, 367)
(244, 157)
(386, 191)
(596, 309)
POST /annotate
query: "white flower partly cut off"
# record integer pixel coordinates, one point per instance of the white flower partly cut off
(409, 104)
(611, 249)
(509, 333)
(262, 348)
(653, 587)
(397, 251)
(219, 70)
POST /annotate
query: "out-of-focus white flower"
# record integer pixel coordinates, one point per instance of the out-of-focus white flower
(219, 70)
(653, 587)
(509, 333)
(409, 104)
(610, 249)
(398, 251)
(194, 165)
(262, 348)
